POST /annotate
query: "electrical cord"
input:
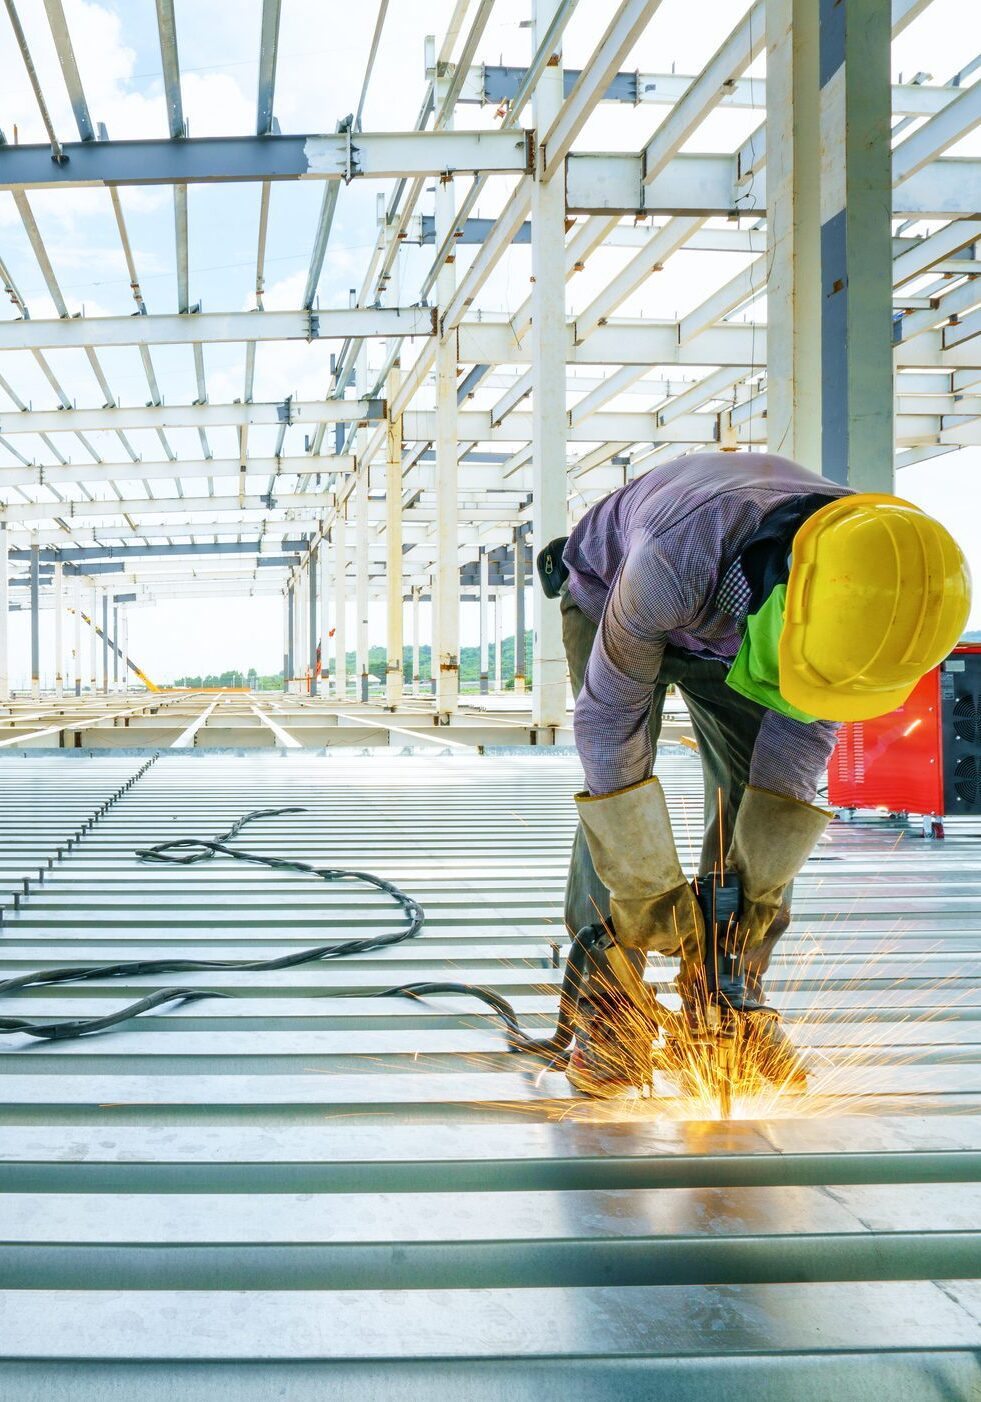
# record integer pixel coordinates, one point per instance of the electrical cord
(193, 850)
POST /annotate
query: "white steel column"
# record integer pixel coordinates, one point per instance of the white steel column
(520, 647)
(394, 672)
(323, 555)
(35, 584)
(361, 508)
(856, 245)
(105, 642)
(312, 568)
(445, 649)
(793, 162)
(4, 613)
(59, 640)
(93, 640)
(286, 637)
(77, 670)
(416, 592)
(548, 342)
(361, 536)
(302, 651)
(498, 638)
(340, 607)
(124, 645)
(484, 563)
(290, 626)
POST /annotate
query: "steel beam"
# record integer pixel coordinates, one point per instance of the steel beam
(194, 160)
(710, 185)
(207, 328)
(571, 113)
(736, 54)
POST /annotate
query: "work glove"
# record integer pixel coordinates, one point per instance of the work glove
(772, 838)
(632, 847)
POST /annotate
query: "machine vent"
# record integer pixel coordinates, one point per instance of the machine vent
(967, 719)
(967, 781)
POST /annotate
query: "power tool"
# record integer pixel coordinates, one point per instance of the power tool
(720, 996)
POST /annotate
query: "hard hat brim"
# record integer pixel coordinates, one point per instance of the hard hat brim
(829, 704)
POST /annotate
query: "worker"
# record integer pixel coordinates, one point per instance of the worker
(779, 603)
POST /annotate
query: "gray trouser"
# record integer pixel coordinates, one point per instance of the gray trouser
(725, 725)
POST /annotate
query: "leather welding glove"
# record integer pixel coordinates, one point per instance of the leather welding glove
(630, 841)
(772, 838)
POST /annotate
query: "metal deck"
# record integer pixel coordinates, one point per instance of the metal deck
(297, 1194)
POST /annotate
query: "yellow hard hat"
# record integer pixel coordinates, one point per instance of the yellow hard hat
(879, 592)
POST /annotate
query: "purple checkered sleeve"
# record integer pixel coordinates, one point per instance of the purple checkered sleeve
(791, 755)
(646, 601)
(649, 600)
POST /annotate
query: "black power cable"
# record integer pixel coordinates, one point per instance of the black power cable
(587, 943)
(196, 850)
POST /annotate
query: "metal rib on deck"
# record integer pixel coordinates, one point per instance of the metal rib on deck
(291, 1192)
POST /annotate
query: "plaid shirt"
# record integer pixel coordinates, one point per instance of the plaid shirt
(657, 563)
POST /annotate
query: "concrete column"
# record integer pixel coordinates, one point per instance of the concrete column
(93, 640)
(340, 607)
(59, 639)
(105, 642)
(484, 564)
(416, 591)
(312, 568)
(394, 671)
(793, 165)
(115, 644)
(548, 343)
(35, 618)
(498, 639)
(856, 244)
(77, 594)
(519, 611)
(446, 593)
(4, 613)
(323, 589)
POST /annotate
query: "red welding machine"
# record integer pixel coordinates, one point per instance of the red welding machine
(924, 757)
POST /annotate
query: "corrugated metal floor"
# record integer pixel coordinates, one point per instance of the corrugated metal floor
(293, 1195)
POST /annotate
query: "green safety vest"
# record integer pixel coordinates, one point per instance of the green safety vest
(756, 670)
